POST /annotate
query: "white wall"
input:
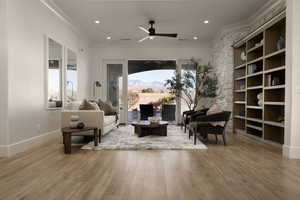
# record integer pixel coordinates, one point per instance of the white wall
(292, 134)
(130, 53)
(27, 24)
(3, 78)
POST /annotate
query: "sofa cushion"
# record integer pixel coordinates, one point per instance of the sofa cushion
(109, 119)
(72, 105)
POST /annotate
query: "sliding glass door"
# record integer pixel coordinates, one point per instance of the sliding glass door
(116, 88)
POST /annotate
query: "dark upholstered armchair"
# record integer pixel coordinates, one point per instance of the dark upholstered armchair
(204, 125)
(146, 110)
(191, 115)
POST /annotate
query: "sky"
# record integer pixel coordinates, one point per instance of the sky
(150, 76)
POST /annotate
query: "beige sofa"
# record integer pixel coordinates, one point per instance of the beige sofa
(91, 118)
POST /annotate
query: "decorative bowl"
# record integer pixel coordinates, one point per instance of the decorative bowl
(154, 120)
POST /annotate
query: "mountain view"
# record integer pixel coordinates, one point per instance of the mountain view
(139, 84)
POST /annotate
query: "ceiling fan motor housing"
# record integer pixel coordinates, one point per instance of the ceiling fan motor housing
(151, 29)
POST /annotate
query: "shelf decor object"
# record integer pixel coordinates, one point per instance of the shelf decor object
(259, 83)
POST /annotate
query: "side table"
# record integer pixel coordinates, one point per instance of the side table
(69, 132)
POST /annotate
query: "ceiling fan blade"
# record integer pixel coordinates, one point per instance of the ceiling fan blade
(167, 34)
(145, 38)
(143, 29)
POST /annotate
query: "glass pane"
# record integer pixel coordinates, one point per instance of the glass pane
(72, 77)
(188, 73)
(54, 74)
(114, 86)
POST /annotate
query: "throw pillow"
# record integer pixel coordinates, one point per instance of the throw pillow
(199, 107)
(113, 109)
(85, 105)
(213, 110)
(106, 107)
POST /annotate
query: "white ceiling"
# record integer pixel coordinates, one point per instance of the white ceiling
(120, 18)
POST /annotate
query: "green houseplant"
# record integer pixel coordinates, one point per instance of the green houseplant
(191, 86)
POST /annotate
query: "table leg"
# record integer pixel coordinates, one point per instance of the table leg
(67, 143)
(100, 135)
(96, 137)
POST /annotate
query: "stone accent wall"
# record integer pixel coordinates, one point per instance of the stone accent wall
(222, 61)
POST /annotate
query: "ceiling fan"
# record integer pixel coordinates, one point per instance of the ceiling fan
(152, 34)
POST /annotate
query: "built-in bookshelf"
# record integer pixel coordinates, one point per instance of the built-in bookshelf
(259, 83)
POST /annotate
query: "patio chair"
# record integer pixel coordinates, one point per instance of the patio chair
(168, 112)
(204, 125)
(146, 111)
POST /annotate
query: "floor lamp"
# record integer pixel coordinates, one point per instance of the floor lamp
(96, 84)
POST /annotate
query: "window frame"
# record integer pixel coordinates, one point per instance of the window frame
(63, 72)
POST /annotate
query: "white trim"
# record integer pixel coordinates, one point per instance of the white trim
(265, 10)
(12, 149)
(291, 152)
(3, 151)
(61, 15)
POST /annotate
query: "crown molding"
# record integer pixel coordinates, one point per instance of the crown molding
(254, 18)
(265, 10)
(54, 8)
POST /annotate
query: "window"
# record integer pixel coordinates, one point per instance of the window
(55, 63)
(71, 77)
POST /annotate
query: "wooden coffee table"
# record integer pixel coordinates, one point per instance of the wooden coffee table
(144, 128)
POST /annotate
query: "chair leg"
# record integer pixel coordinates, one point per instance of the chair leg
(184, 128)
(216, 138)
(224, 139)
(195, 139)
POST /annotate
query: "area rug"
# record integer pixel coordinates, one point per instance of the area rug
(124, 138)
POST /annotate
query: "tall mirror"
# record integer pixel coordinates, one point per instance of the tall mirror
(71, 77)
(54, 67)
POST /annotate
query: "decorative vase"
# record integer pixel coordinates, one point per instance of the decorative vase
(281, 43)
(243, 56)
(74, 120)
(260, 99)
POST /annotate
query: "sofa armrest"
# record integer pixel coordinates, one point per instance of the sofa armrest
(91, 118)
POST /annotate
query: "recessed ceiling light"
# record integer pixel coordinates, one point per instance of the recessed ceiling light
(108, 37)
(195, 38)
(206, 22)
(97, 22)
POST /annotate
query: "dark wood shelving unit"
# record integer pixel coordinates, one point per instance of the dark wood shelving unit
(259, 83)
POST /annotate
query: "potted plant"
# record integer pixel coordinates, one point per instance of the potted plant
(192, 85)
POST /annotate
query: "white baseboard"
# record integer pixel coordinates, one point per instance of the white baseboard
(3, 151)
(12, 149)
(292, 152)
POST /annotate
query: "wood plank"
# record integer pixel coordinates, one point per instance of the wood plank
(241, 170)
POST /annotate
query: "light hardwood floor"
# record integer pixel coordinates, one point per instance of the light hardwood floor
(241, 170)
